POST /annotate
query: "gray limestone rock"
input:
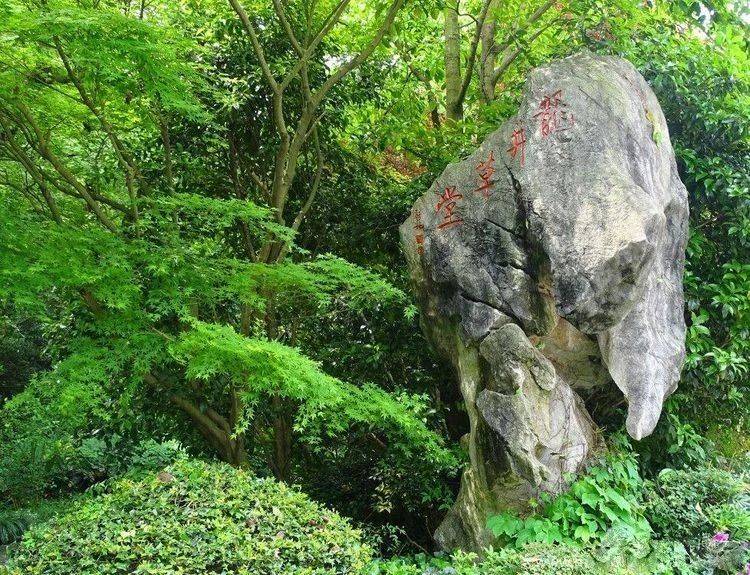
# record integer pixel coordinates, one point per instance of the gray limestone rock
(550, 262)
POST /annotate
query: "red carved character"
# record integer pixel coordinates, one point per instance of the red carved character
(447, 205)
(419, 232)
(486, 170)
(553, 117)
(518, 144)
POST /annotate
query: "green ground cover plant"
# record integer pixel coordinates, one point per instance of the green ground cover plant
(193, 517)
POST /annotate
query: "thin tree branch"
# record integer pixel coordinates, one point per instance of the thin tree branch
(510, 57)
(357, 60)
(279, 8)
(125, 159)
(36, 174)
(311, 196)
(473, 51)
(41, 146)
(260, 183)
(34, 201)
(315, 185)
(422, 77)
(92, 303)
(257, 48)
(538, 13)
(40, 176)
(328, 24)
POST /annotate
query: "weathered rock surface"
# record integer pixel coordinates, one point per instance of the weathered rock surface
(548, 262)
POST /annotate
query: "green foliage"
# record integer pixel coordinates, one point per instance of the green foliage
(675, 443)
(147, 289)
(57, 433)
(314, 285)
(691, 505)
(22, 351)
(731, 518)
(194, 517)
(210, 215)
(40, 437)
(13, 524)
(120, 54)
(326, 406)
(150, 455)
(606, 496)
(729, 557)
(666, 558)
(541, 559)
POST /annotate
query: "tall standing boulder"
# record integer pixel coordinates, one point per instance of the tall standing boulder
(549, 262)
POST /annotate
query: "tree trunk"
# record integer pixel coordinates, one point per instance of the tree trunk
(237, 454)
(453, 105)
(487, 68)
(282, 441)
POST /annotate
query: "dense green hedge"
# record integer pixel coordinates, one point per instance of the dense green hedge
(691, 505)
(194, 518)
(546, 559)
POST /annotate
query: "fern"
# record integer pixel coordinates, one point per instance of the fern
(13, 524)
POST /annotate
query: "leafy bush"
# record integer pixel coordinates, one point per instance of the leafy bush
(150, 455)
(730, 557)
(38, 438)
(540, 559)
(55, 439)
(423, 564)
(193, 518)
(730, 518)
(532, 559)
(703, 89)
(692, 505)
(675, 443)
(607, 495)
(46, 432)
(664, 558)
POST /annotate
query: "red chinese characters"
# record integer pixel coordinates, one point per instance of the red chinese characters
(485, 170)
(553, 116)
(447, 206)
(419, 232)
(518, 145)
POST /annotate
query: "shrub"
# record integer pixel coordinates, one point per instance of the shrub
(662, 558)
(691, 505)
(41, 438)
(47, 455)
(730, 557)
(607, 496)
(647, 558)
(422, 564)
(15, 522)
(540, 559)
(193, 518)
(150, 455)
(569, 559)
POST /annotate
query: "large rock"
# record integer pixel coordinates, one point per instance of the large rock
(548, 262)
